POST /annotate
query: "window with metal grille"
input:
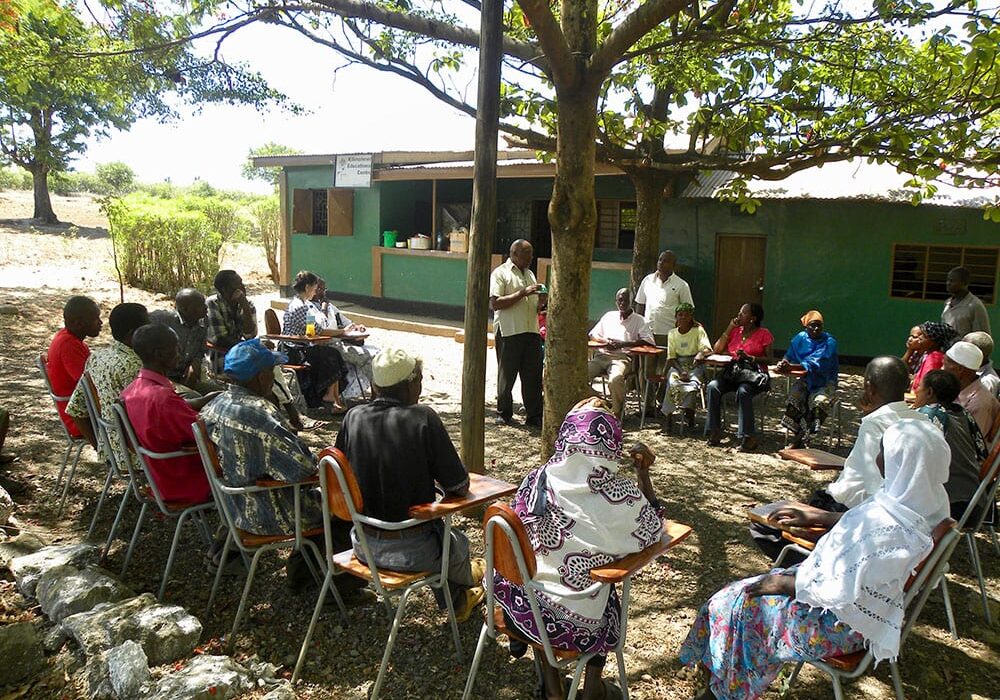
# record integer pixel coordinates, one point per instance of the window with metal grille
(615, 224)
(920, 271)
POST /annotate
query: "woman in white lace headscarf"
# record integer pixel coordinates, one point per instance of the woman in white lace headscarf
(847, 595)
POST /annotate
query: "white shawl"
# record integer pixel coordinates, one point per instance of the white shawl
(859, 568)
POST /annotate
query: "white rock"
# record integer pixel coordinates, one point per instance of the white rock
(205, 678)
(6, 506)
(65, 590)
(282, 692)
(28, 568)
(24, 543)
(128, 670)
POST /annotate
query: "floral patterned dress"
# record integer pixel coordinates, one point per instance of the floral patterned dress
(744, 640)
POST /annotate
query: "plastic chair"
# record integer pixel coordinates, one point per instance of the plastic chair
(343, 499)
(929, 573)
(72, 442)
(148, 494)
(509, 553)
(103, 431)
(249, 544)
(271, 324)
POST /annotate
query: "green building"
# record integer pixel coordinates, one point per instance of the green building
(850, 246)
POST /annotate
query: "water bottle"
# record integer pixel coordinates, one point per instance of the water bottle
(310, 323)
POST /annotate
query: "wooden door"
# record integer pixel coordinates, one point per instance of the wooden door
(739, 276)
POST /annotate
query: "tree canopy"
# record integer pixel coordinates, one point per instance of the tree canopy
(268, 175)
(64, 79)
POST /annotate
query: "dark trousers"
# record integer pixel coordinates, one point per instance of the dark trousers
(717, 388)
(519, 356)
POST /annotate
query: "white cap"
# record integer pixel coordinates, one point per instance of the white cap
(966, 354)
(391, 366)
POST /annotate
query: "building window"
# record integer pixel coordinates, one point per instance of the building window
(615, 224)
(319, 212)
(919, 271)
(327, 212)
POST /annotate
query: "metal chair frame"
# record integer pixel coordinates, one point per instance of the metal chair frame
(931, 572)
(348, 500)
(102, 432)
(42, 362)
(150, 495)
(235, 536)
(498, 518)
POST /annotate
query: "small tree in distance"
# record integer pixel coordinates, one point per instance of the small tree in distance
(268, 175)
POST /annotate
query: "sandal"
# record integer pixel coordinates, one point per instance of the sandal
(309, 424)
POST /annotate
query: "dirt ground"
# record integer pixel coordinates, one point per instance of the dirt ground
(708, 488)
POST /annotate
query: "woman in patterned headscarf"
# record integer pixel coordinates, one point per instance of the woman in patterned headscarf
(579, 513)
(687, 343)
(933, 340)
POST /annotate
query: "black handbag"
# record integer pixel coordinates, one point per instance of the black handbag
(746, 371)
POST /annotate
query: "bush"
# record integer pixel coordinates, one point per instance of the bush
(266, 214)
(162, 246)
(15, 179)
(115, 179)
(223, 215)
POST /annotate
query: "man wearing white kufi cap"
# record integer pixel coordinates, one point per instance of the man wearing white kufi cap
(963, 360)
(398, 450)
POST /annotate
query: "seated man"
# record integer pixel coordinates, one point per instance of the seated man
(815, 351)
(162, 419)
(68, 353)
(187, 321)
(620, 329)
(886, 381)
(231, 317)
(936, 399)
(963, 360)
(987, 374)
(112, 369)
(398, 450)
(254, 442)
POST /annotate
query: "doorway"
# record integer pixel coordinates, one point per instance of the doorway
(739, 276)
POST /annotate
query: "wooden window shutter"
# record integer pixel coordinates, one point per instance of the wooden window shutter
(340, 212)
(302, 211)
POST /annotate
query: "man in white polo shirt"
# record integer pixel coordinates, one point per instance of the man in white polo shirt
(659, 294)
(514, 299)
(620, 329)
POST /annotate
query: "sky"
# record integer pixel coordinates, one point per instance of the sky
(358, 110)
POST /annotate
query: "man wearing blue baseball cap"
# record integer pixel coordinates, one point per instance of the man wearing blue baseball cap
(255, 441)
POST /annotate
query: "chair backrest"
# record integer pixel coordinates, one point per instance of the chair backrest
(105, 431)
(985, 492)
(991, 434)
(346, 505)
(929, 572)
(213, 472)
(42, 363)
(271, 323)
(501, 516)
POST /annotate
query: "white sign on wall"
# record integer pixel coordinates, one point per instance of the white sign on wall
(353, 170)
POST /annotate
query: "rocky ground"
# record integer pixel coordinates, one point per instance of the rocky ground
(707, 488)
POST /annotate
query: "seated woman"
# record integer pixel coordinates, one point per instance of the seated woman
(936, 397)
(815, 351)
(847, 595)
(911, 356)
(577, 507)
(355, 353)
(321, 383)
(749, 344)
(932, 341)
(687, 343)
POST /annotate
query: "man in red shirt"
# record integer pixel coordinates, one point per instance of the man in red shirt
(68, 353)
(162, 419)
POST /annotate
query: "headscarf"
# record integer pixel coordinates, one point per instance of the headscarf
(684, 306)
(810, 316)
(941, 334)
(859, 568)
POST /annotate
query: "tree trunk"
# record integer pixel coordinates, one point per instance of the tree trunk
(573, 218)
(648, 206)
(43, 203)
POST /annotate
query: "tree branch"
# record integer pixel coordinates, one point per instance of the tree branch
(634, 27)
(551, 39)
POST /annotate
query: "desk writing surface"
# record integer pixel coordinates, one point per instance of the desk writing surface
(762, 515)
(299, 338)
(673, 534)
(718, 359)
(816, 460)
(482, 489)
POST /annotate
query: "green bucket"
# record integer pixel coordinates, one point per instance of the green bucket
(389, 239)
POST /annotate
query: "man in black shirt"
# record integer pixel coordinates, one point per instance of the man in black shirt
(398, 450)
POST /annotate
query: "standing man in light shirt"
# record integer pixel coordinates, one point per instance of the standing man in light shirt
(963, 311)
(620, 329)
(515, 296)
(656, 300)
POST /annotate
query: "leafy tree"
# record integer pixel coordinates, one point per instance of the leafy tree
(63, 80)
(263, 174)
(115, 179)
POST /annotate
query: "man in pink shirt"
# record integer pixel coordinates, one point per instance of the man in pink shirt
(963, 359)
(68, 353)
(162, 419)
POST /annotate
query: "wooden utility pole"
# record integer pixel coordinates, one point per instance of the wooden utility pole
(484, 223)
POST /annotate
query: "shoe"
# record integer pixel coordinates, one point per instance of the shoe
(533, 423)
(234, 565)
(749, 444)
(797, 443)
(689, 418)
(503, 420)
(714, 438)
(355, 599)
(478, 569)
(473, 597)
